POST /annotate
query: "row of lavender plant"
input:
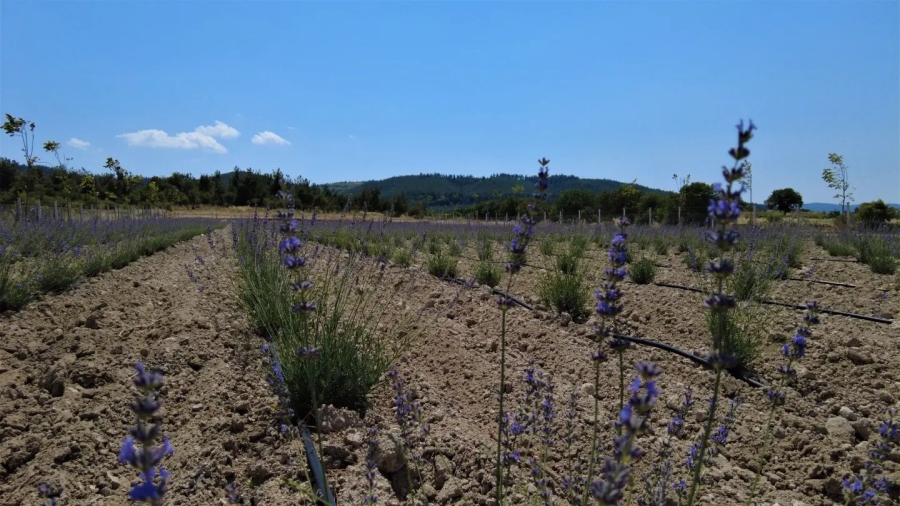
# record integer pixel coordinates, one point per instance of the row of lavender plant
(292, 288)
(611, 480)
(50, 256)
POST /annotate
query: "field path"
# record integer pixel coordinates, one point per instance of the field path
(66, 365)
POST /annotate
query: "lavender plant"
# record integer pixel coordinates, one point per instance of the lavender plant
(866, 486)
(138, 450)
(660, 482)
(609, 306)
(342, 314)
(793, 351)
(371, 496)
(408, 413)
(616, 476)
(517, 250)
(724, 210)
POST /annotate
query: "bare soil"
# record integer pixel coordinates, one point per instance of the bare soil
(66, 364)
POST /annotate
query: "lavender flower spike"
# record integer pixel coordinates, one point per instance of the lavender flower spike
(137, 449)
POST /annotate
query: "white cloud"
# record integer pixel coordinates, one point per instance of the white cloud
(203, 137)
(218, 130)
(268, 137)
(78, 143)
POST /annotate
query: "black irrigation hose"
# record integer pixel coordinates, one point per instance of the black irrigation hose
(848, 260)
(689, 356)
(795, 306)
(636, 340)
(493, 290)
(833, 283)
(832, 311)
(669, 285)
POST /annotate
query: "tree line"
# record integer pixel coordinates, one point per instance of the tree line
(500, 195)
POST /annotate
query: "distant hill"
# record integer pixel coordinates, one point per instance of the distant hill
(445, 191)
(824, 207)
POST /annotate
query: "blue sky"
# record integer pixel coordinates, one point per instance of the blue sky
(343, 91)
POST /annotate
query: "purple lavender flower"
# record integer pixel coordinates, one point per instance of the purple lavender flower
(633, 420)
(865, 487)
(371, 467)
(50, 493)
(146, 458)
(232, 494)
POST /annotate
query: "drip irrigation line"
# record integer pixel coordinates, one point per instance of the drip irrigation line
(690, 356)
(794, 306)
(832, 311)
(494, 291)
(498, 262)
(848, 260)
(638, 340)
(833, 283)
(680, 287)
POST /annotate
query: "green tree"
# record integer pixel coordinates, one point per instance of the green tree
(9, 172)
(25, 129)
(572, 201)
(695, 199)
(837, 178)
(876, 213)
(785, 200)
(88, 187)
(53, 147)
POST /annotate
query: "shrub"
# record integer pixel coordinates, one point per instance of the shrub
(790, 249)
(442, 266)
(547, 247)
(578, 245)
(347, 326)
(566, 293)
(643, 271)
(752, 280)
(661, 246)
(746, 329)
(695, 259)
(402, 257)
(567, 263)
(485, 250)
(835, 247)
(488, 273)
(883, 264)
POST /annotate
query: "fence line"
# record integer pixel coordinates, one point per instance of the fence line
(38, 211)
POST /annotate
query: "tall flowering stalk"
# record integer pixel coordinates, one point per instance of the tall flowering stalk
(793, 351)
(523, 231)
(609, 305)
(290, 249)
(408, 413)
(138, 450)
(616, 475)
(371, 496)
(724, 212)
(658, 483)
